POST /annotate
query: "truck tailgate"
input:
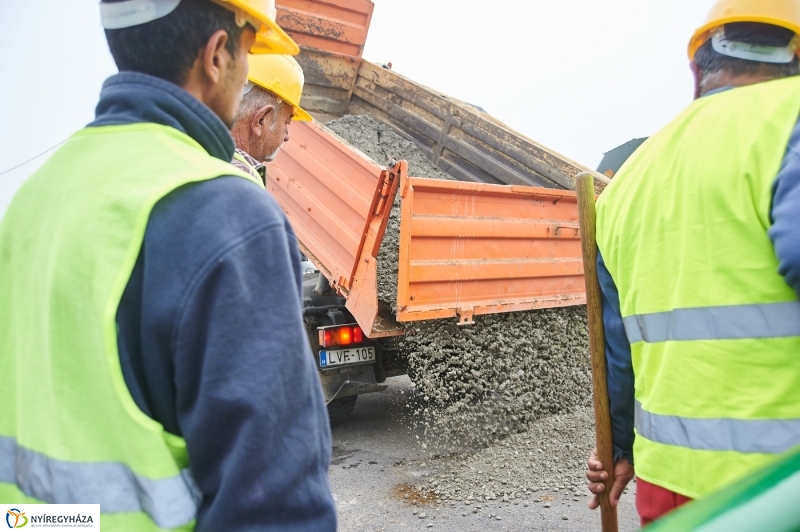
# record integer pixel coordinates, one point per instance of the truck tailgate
(338, 202)
(473, 248)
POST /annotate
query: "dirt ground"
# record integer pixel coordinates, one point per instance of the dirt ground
(378, 465)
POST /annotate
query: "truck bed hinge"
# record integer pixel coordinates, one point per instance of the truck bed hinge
(387, 177)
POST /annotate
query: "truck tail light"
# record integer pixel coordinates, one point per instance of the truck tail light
(345, 335)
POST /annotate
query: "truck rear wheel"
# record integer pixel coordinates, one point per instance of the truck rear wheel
(340, 409)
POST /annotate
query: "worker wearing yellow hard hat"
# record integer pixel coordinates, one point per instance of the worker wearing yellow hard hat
(270, 38)
(781, 13)
(260, 14)
(133, 264)
(282, 76)
(271, 102)
(698, 264)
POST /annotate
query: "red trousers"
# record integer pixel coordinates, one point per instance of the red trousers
(654, 501)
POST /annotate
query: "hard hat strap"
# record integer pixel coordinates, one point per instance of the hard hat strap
(134, 12)
(751, 52)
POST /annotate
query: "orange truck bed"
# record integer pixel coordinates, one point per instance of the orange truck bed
(466, 248)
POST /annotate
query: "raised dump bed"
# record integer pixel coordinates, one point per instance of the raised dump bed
(338, 202)
(461, 139)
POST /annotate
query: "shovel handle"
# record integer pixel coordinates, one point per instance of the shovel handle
(597, 341)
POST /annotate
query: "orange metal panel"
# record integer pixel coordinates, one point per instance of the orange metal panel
(337, 26)
(338, 202)
(471, 248)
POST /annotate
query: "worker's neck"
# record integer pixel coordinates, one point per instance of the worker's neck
(719, 80)
(240, 138)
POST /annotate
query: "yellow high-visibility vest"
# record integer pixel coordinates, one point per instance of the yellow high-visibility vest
(714, 328)
(70, 432)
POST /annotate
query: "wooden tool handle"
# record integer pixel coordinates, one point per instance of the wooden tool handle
(597, 343)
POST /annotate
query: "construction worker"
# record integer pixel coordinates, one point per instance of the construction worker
(271, 101)
(151, 340)
(699, 241)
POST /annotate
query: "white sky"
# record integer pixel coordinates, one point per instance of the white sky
(579, 76)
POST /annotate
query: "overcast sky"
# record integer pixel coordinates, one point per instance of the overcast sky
(579, 76)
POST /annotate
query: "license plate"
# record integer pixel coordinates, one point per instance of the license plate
(346, 357)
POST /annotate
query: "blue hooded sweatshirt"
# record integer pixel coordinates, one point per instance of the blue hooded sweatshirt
(211, 337)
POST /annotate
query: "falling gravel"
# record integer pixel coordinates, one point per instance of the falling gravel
(482, 383)
(548, 458)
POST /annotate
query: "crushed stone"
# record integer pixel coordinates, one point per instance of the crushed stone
(548, 458)
(482, 383)
(382, 142)
(477, 384)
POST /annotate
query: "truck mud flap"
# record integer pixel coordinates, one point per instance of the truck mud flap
(353, 380)
(349, 388)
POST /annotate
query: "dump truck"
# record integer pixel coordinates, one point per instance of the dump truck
(502, 237)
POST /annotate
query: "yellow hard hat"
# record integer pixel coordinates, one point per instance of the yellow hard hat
(282, 76)
(270, 38)
(783, 13)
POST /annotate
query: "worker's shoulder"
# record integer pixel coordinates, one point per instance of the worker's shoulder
(214, 213)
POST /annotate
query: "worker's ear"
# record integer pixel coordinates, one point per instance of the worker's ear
(261, 119)
(698, 77)
(215, 57)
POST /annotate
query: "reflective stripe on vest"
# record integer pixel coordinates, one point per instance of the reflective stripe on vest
(772, 436)
(170, 502)
(731, 322)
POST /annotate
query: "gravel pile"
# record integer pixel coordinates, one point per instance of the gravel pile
(549, 457)
(483, 382)
(381, 143)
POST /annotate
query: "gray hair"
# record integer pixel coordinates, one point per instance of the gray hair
(257, 98)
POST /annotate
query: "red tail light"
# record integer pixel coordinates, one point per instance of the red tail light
(345, 335)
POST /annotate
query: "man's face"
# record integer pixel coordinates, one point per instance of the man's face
(275, 133)
(232, 83)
